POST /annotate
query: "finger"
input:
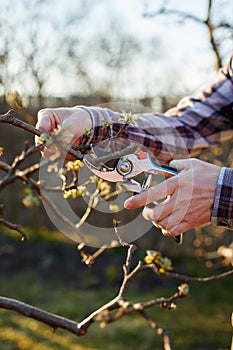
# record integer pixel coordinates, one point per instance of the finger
(148, 214)
(153, 194)
(174, 224)
(158, 211)
(182, 164)
(176, 230)
(162, 210)
(172, 220)
(49, 120)
(46, 120)
(157, 225)
(49, 152)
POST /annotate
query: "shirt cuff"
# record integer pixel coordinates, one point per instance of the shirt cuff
(222, 212)
(102, 121)
(92, 122)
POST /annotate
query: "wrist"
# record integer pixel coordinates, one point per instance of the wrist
(86, 119)
(78, 122)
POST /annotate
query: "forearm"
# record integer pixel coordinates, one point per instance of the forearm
(222, 212)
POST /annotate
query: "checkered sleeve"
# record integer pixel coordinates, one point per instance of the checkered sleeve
(195, 124)
(222, 212)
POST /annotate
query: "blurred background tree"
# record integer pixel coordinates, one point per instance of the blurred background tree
(119, 50)
(216, 20)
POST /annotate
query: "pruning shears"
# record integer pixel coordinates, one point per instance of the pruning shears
(125, 168)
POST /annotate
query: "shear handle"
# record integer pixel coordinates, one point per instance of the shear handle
(141, 162)
(166, 170)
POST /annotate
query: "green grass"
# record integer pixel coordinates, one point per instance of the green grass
(200, 322)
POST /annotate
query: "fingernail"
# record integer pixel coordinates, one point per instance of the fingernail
(128, 204)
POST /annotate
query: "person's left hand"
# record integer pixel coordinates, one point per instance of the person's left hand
(74, 121)
(187, 197)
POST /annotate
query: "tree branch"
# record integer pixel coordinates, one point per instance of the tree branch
(213, 42)
(208, 22)
(186, 278)
(119, 303)
(10, 118)
(14, 227)
(160, 331)
(164, 11)
(48, 318)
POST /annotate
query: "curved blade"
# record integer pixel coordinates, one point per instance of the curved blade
(112, 175)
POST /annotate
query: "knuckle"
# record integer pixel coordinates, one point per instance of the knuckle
(44, 112)
(148, 214)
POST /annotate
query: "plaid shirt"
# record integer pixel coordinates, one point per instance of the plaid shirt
(222, 212)
(194, 125)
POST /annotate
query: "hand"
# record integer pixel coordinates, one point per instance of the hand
(188, 197)
(75, 121)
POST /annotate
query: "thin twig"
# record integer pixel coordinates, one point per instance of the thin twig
(91, 205)
(110, 306)
(57, 212)
(14, 227)
(160, 331)
(186, 278)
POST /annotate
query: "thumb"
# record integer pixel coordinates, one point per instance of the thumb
(45, 120)
(181, 164)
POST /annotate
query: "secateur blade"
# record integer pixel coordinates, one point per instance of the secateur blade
(104, 163)
(104, 172)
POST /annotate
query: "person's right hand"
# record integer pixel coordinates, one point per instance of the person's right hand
(74, 121)
(189, 197)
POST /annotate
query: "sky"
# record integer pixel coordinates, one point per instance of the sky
(184, 58)
(185, 48)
